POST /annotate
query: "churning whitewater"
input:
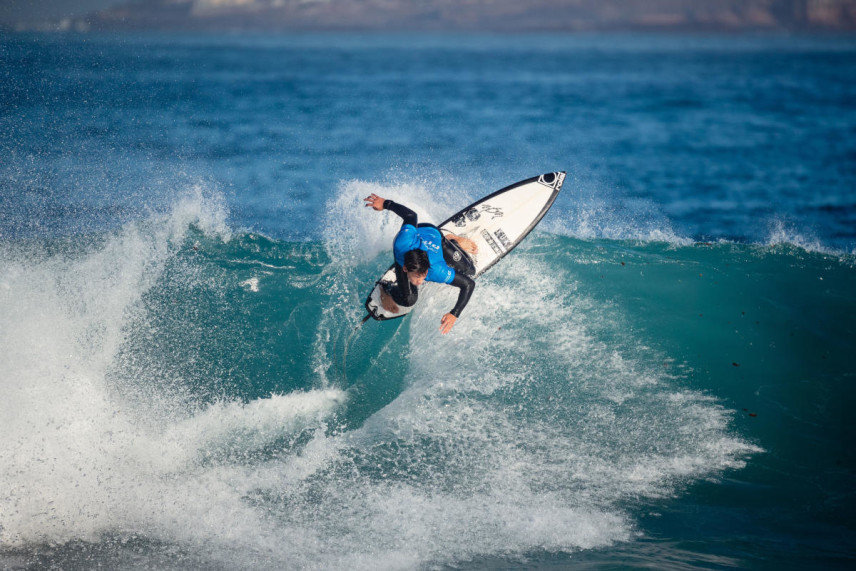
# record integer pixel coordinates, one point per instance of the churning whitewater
(181, 385)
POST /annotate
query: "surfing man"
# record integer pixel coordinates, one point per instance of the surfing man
(422, 253)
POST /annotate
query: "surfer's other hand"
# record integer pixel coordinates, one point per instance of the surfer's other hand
(374, 201)
(447, 322)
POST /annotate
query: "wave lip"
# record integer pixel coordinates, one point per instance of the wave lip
(781, 234)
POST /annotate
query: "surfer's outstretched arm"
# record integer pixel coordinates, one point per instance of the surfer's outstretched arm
(466, 285)
(379, 204)
(408, 215)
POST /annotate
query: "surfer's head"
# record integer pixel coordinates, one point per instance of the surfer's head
(416, 265)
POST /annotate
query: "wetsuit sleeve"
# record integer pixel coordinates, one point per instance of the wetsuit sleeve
(466, 285)
(408, 215)
(406, 293)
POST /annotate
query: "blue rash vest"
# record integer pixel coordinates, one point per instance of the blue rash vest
(429, 239)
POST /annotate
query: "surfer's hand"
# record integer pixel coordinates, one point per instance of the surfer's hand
(447, 322)
(374, 201)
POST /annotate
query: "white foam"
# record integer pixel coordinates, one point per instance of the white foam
(590, 214)
(251, 284)
(780, 233)
(78, 460)
(234, 428)
(521, 431)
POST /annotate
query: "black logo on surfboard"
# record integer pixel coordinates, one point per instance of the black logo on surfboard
(461, 219)
(552, 179)
(494, 211)
(491, 242)
(503, 239)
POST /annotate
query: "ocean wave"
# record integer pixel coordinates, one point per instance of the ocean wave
(185, 383)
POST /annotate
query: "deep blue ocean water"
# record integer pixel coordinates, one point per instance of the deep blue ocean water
(661, 376)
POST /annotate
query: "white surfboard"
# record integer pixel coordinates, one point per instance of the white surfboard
(496, 223)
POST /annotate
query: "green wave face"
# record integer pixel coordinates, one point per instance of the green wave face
(174, 379)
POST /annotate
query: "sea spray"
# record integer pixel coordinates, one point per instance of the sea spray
(556, 426)
(79, 458)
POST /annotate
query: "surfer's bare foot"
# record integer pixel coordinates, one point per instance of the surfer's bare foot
(387, 302)
(469, 246)
(466, 244)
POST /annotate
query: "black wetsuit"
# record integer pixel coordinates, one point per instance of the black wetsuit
(404, 293)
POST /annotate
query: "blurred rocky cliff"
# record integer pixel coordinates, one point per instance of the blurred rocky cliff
(474, 15)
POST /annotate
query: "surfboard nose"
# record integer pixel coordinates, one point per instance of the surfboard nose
(553, 179)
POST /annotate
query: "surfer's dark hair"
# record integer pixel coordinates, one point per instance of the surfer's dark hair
(416, 261)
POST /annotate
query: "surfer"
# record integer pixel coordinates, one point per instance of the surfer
(422, 253)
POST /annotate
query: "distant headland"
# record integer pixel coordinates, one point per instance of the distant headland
(467, 15)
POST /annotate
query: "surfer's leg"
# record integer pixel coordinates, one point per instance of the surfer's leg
(457, 258)
(402, 291)
(400, 296)
(387, 302)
